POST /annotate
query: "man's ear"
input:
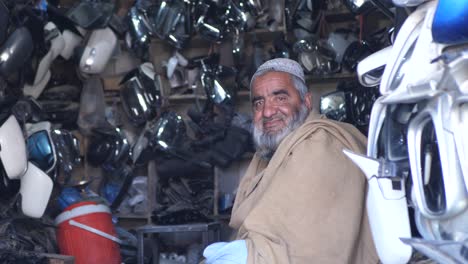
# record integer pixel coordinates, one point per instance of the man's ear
(308, 100)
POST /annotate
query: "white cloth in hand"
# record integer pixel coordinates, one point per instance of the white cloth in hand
(234, 252)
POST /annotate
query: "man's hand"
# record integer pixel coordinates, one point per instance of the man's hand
(234, 252)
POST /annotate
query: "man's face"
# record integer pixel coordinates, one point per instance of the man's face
(277, 108)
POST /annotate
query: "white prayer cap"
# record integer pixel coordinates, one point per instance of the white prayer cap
(279, 65)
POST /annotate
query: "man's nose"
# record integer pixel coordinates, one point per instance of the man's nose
(269, 110)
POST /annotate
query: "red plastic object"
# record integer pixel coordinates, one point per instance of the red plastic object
(87, 247)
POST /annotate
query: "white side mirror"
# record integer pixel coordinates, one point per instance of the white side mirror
(98, 51)
(43, 74)
(13, 148)
(71, 41)
(388, 213)
(36, 188)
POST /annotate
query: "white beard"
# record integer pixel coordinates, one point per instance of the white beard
(267, 143)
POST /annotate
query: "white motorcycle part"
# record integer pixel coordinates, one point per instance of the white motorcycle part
(452, 229)
(13, 149)
(438, 112)
(458, 70)
(42, 76)
(148, 69)
(424, 225)
(98, 51)
(181, 59)
(72, 41)
(408, 3)
(419, 78)
(171, 65)
(440, 251)
(457, 77)
(36, 89)
(36, 188)
(459, 119)
(397, 64)
(370, 69)
(377, 118)
(388, 212)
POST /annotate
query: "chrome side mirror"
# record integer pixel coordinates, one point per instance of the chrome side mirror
(358, 6)
(167, 132)
(91, 14)
(333, 106)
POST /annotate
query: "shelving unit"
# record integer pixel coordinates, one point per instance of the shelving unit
(161, 51)
(261, 35)
(339, 16)
(312, 79)
(175, 98)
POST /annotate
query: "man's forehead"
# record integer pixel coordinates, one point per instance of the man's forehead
(271, 82)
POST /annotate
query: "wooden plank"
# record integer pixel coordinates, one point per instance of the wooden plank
(59, 259)
(111, 83)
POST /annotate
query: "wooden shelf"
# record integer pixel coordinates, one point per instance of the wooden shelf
(262, 35)
(186, 96)
(190, 97)
(340, 16)
(132, 216)
(221, 217)
(243, 94)
(330, 78)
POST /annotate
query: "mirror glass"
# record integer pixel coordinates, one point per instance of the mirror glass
(168, 131)
(333, 106)
(40, 151)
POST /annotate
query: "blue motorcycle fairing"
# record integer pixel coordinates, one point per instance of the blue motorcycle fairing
(450, 22)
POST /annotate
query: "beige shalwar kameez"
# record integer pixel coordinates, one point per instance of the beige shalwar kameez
(307, 204)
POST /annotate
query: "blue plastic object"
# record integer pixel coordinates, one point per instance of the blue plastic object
(69, 196)
(42, 5)
(110, 191)
(40, 151)
(450, 24)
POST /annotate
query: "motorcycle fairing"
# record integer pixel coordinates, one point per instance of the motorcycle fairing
(437, 111)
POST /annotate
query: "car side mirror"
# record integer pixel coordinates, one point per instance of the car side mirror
(333, 106)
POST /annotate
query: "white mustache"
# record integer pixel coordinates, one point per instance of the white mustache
(266, 143)
(276, 117)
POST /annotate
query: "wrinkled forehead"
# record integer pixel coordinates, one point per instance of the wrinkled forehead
(270, 81)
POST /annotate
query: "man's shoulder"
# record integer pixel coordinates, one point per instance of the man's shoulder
(318, 129)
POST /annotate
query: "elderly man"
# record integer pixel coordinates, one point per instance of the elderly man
(301, 200)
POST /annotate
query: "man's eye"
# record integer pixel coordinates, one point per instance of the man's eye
(257, 104)
(281, 99)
